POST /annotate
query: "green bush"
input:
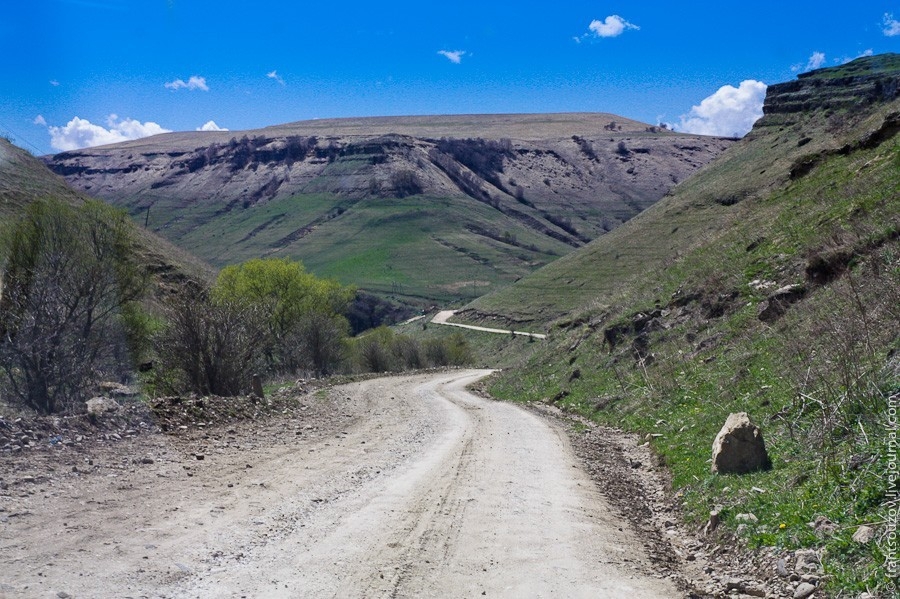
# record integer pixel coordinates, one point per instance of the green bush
(305, 322)
(383, 350)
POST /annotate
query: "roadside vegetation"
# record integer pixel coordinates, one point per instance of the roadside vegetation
(69, 307)
(77, 309)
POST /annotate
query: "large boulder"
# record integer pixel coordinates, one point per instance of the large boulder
(100, 406)
(739, 447)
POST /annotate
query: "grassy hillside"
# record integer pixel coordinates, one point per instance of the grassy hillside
(422, 209)
(24, 179)
(767, 283)
(716, 201)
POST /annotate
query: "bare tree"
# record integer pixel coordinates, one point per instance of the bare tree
(215, 346)
(67, 274)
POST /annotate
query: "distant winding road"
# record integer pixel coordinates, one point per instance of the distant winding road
(444, 315)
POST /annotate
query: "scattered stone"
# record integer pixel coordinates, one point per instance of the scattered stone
(751, 518)
(781, 568)
(864, 534)
(823, 526)
(804, 590)
(147, 460)
(199, 456)
(808, 562)
(739, 447)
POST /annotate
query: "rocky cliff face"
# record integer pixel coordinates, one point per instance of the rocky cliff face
(857, 84)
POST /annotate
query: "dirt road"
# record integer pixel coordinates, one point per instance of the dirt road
(414, 488)
(444, 316)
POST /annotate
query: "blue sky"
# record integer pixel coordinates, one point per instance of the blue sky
(82, 72)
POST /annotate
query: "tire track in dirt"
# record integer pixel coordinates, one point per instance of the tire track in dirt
(417, 489)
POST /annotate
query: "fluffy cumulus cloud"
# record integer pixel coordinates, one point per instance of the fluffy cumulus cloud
(81, 133)
(730, 112)
(195, 82)
(611, 26)
(211, 126)
(891, 25)
(274, 75)
(454, 56)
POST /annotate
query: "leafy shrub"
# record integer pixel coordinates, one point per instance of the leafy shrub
(304, 314)
(382, 350)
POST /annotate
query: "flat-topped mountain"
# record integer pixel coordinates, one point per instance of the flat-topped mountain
(427, 207)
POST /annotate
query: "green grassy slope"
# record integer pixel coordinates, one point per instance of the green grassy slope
(426, 247)
(671, 322)
(713, 202)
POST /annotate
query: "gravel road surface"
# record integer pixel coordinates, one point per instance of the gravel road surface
(406, 486)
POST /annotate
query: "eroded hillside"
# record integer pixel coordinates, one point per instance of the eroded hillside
(417, 207)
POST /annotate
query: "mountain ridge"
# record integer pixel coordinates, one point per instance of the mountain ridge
(521, 190)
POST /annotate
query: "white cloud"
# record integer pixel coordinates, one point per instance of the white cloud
(891, 25)
(274, 75)
(54, 83)
(730, 112)
(195, 82)
(612, 26)
(211, 126)
(39, 120)
(81, 133)
(454, 56)
(816, 60)
(847, 59)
